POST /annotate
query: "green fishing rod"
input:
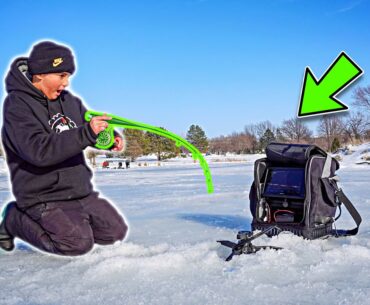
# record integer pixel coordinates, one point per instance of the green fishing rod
(106, 139)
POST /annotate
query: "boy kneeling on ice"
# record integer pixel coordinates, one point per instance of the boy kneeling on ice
(44, 134)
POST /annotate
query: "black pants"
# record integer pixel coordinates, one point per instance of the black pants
(67, 227)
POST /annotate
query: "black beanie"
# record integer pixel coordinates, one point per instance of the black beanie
(49, 57)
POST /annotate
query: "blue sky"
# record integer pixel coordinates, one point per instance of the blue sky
(220, 64)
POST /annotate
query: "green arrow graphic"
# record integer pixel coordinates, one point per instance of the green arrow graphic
(318, 97)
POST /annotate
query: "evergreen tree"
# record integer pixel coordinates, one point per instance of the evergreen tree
(335, 145)
(279, 136)
(198, 138)
(136, 143)
(163, 147)
(133, 150)
(266, 138)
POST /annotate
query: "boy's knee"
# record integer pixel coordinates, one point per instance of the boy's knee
(117, 231)
(118, 227)
(122, 230)
(73, 246)
(84, 246)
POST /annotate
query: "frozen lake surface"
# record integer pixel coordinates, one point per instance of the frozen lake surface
(171, 255)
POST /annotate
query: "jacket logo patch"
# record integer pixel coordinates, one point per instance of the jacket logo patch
(60, 123)
(57, 61)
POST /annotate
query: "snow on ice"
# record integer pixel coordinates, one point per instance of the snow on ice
(171, 255)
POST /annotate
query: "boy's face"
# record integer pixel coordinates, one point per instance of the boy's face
(52, 84)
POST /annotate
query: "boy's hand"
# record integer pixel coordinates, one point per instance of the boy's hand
(98, 123)
(118, 144)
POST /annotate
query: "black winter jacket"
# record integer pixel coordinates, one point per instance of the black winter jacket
(44, 150)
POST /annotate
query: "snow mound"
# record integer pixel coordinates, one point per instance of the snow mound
(305, 272)
(355, 155)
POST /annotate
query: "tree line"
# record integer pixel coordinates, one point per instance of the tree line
(141, 143)
(333, 131)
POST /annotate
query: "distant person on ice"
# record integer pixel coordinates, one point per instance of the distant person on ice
(44, 134)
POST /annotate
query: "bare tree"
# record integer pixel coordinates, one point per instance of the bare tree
(236, 142)
(319, 141)
(362, 98)
(262, 127)
(367, 135)
(256, 132)
(248, 142)
(294, 130)
(251, 130)
(218, 145)
(330, 127)
(241, 143)
(91, 154)
(356, 127)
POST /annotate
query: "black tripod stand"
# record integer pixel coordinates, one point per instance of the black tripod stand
(244, 245)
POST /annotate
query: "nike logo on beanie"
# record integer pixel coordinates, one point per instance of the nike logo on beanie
(57, 61)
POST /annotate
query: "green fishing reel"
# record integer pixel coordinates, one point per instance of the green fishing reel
(105, 138)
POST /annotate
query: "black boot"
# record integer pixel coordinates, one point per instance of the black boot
(6, 240)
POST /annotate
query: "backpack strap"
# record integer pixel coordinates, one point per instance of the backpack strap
(352, 210)
(342, 198)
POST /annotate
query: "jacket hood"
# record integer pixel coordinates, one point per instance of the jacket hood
(17, 80)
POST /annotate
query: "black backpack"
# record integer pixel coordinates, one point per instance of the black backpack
(294, 189)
